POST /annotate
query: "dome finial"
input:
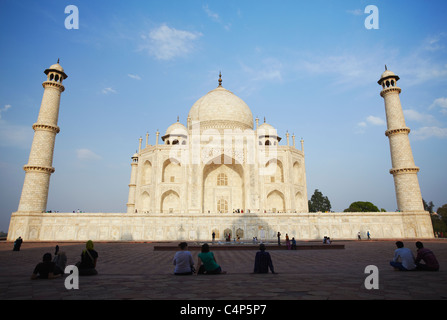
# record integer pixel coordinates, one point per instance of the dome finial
(57, 60)
(220, 79)
(386, 68)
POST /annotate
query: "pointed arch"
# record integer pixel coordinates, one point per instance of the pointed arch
(297, 173)
(170, 202)
(172, 171)
(147, 172)
(275, 171)
(223, 185)
(145, 202)
(275, 201)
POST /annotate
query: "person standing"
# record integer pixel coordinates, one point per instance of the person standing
(287, 242)
(17, 244)
(279, 238)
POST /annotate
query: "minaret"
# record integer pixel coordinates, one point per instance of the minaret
(404, 171)
(132, 184)
(40, 164)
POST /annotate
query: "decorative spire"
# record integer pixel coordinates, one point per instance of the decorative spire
(178, 119)
(220, 79)
(386, 68)
(57, 60)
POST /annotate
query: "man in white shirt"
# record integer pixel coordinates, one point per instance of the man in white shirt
(183, 261)
(405, 256)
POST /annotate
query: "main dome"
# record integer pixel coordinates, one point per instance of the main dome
(221, 108)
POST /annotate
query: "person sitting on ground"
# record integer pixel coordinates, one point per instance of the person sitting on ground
(431, 263)
(87, 265)
(263, 261)
(45, 269)
(183, 261)
(60, 261)
(207, 262)
(405, 256)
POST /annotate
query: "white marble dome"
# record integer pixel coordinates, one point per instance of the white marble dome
(221, 108)
(176, 129)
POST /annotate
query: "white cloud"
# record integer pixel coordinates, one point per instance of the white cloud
(375, 121)
(108, 90)
(429, 132)
(211, 14)
(414, 115)
(5, 108)
(215, 17)
(370, 120)
(441, 103)
(134, 76)
(86, 154)
(15, 135)
(432, 43)
(362, 124)
(165, 43)
(356, 12)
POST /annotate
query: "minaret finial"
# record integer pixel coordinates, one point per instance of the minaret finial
(386, 68)
(57, 60)
(220, 79)
(178, 118)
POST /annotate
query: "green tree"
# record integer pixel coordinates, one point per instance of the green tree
(362, 206)
(438, 224)
(318, 202)
(428, 206)
(442, 211)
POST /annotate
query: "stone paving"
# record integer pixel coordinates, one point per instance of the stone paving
(135, 271)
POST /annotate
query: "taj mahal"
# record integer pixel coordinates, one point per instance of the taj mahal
(221, 172)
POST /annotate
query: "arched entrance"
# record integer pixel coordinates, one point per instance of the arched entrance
(223, 186)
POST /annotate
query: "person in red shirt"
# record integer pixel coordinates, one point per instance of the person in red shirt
(426, 255)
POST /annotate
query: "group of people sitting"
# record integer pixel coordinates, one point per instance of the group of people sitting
(183, 261)
(207, 264)
(51, 268)
(404, 259)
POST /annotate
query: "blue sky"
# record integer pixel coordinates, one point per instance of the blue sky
(310, 67)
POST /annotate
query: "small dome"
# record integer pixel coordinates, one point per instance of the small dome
(176, 129)
(266, 127)
(387, 74)
(57, 67)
